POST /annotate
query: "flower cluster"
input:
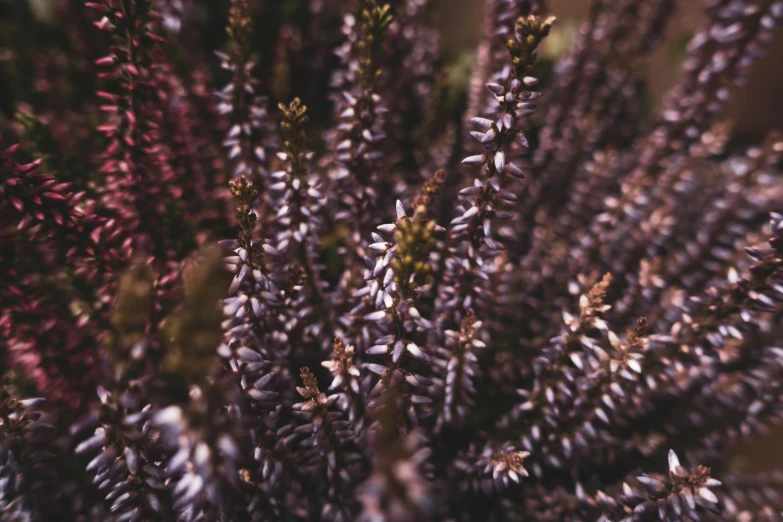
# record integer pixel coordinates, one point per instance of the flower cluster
(519, 311)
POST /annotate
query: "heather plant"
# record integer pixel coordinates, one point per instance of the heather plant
(292, 269)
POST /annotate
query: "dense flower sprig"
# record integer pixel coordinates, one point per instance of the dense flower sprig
(248, 138)
(360, 113)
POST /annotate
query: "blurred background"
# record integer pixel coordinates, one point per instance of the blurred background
(756, 108)
(27, 26)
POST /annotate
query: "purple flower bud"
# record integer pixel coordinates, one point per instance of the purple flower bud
(495, 89)
(479, 159)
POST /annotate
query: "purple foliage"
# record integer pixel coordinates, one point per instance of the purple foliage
(601, 296)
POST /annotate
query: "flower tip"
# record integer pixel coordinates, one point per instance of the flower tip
(400, 209)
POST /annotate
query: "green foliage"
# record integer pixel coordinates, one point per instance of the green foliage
(240, 24)
(416, 240)
(294, 117)
(38, 142)
(375, 24)
(130, 315)
(192, 332)
(530, 31)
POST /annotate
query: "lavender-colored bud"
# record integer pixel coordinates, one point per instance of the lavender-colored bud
(500, 161)
(530, 81)
(478, 159)
(482, 123)
(495, 89)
